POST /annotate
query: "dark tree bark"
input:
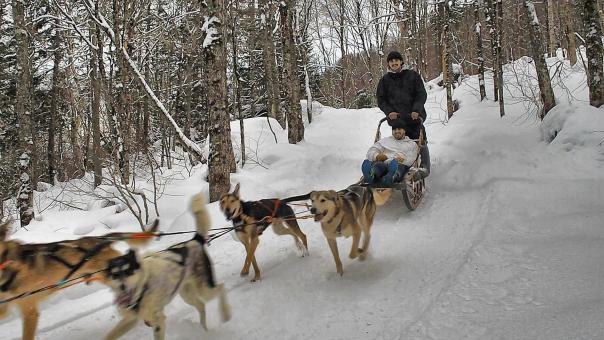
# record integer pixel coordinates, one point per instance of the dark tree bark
(221, 160)
(545, 85)
(569, 31)
(23, 110)
(295, 125)
(594, 51)
(96, 107)
(268, 11)
(54, 103)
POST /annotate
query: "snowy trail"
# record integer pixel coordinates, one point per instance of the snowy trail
(506, 245)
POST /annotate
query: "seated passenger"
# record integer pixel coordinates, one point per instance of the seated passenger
(389, 159)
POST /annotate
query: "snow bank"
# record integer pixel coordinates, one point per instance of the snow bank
(571, 126)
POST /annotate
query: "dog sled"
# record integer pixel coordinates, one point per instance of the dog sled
(412, 189)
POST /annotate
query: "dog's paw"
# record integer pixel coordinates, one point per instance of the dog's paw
(256, 278)
(363, 256)
(353, 255)
(226, 313)
(244, 273)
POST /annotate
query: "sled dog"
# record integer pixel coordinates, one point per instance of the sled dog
(348, 212)
(145, 286)
(28, 267)
(251, 218)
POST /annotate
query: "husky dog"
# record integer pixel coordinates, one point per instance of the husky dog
(347, 213)
(144, 287)
(250, 219)
(28, 267)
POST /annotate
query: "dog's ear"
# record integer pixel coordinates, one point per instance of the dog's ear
(4, 226)
(236, 191)
(333, 195)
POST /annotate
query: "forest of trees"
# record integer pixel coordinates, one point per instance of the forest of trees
(118, 88)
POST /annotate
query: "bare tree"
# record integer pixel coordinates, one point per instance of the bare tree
(295, 124)
(551, 27)
(479, 49)
(221, 158)
(545, 85)
(24, 113)
(570, 31)
(96, 104)
(268, 12)
(594, 51)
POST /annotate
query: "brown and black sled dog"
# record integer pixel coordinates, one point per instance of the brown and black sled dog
(28, 267)
(251, 218)
(348, 212)
(145, 286)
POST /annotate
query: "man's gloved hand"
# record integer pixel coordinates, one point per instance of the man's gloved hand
(381, 157)
(400, 159)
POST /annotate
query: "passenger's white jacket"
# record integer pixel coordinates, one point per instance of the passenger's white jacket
(393, 148)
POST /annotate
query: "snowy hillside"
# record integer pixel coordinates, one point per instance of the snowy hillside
(508, 243)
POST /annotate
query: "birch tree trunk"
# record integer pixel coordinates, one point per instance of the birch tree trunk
(594, 52)
(491, 20)
(295, 124)
(545, 86)
(479, 49)
(23, 111)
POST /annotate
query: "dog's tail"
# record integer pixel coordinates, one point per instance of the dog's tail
(381, 196)
(202, 216)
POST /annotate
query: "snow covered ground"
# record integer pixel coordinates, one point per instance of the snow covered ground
(508, 243)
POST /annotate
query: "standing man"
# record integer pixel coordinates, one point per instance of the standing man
(401, 95)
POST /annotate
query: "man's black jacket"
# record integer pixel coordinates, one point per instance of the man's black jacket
(403, 92)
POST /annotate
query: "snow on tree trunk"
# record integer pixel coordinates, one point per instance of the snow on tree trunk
(545, 85)
(267, 21)
(594, 52)
(490, 19)
(479, 49)
(221, 160)
(295, 125)
(23, 111)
